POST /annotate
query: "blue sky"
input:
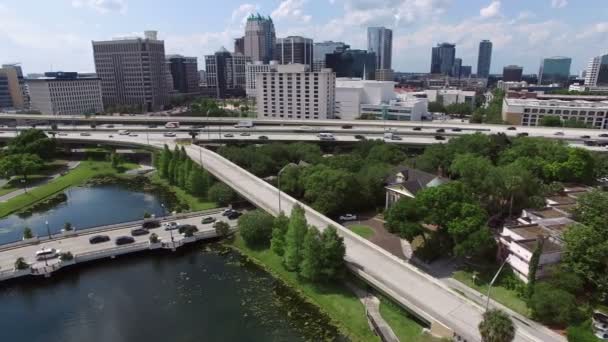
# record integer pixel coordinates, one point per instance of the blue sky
(57, 34)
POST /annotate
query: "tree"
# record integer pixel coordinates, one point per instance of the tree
(115, 160)
(68, 227)
(221, 228)
(20, 164)
(436, 107)
(197, 182)
(154, 238)
(332, 253)
(32, 141)
(403, 218)
(27, 233)
(534, 261)
(311, 265)
(294, 238)
(551, 305)
(496, 326)
(279, 229)
(165, 159)
(221, 194)
(551, 121)
(329, 191)
(21, 264)
(256, 228)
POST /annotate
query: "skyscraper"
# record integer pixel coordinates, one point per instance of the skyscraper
(226, 73)
(132, 71)
(512, 73)
(597, 72)
(380, 42)
(456, 67)
(184, 72)
(465, 71)
(294, 50)
(13, 91)
(442, 59)
(484, 59)
(239, 45)
(554, 70)
(322, 49)
(352, 63)
(259, 38)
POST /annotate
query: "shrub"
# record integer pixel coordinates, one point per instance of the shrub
(256, 228)
(154, 238)
(66, 256)
(20, 264)
(68, 227)
(27, 233)
(221, 228)
(551, 305)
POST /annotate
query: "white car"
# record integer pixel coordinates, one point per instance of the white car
(62, 134)
(348, 217)
(171, 225)
(85, 134)
(47, 253)
(169, 134)
(132, 134)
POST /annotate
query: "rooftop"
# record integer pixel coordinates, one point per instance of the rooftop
(548, 246)
(547, 213)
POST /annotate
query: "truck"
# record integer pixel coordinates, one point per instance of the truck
(172, 124)
(244, 124)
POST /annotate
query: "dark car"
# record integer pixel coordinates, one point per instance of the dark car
(227, 212)
(439, 137)
(456, 130)
(98, 239)
(152, 126)
(522, 134)
(184, 227)
(150, 224)
(440, 130)
(124, 240)
(263, 137)
(139, 231)
(233, 215)
(359, 137)
(603, 135)
(512, 128)
(208, 220)
(585, 137)
(198, 126)
(417, 128)
(347, 126)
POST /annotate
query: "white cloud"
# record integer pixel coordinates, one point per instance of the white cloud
(291, 10)
(102, 6)
(240, 13)
(492, 10)
(595, 29)
(559, 3)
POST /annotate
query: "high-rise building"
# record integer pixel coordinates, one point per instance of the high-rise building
(512, 73)
(380, 42)
(132, 71)
(484, 59)
(456, 68)
(259, 38)
(184, 72)
(466, 71)
(352, 64)
(294, 50)
(387, 75)
(323, 48)
(65, 93)
(596, 74)
(13, 90)
(251, 70)
(442, 59)
(5, 95)
(554, 70)
(226, 73)
(202, 78)
(292, 92)
(239, 45)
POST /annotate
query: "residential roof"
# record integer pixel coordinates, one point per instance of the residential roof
(414, 179)
(548, 213)
(531, 231)
(562, 199)
(548, 246)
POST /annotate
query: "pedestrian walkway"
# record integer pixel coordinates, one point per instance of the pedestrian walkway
(372, 310)
(71, 165)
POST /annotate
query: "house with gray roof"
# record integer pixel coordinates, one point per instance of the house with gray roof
(407, 182)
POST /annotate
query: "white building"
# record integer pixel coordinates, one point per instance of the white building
(251, 69)
(292, 92)
(502, 85)
(356, 97)
(65, 93)
(450, 96)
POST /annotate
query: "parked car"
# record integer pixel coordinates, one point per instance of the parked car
(47, 253)
(171, 225)
(98, 239)
(229, 135)
(233, 215)
(150, 224)
(208, 220)
(456, 130)
(417, 128)
(263, 137)
(512, 128)
(139, 231)
(440, 130)
(348, 217)
(124, 240)
(85, 134)
(183, 227)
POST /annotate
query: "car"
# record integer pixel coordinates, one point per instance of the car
(198, 126)
(603, 135)
(123, 132)
(347, 126)
(348, 217)
(263, 137)
(395, 137)
(227, 211)
(183, 227)
(439, 137)
(511, 128)
(109, 126)
(98, 239)
(124, 240)
(456, 130)
(245, 134)
(85, 134)
(62, 134)
(359, 137)
(585, 137)
(152, 126)
(208, 220)
(133, 135)
(139, 231)
(229, 135)
(150, 224)
(558, 133)
(417, 128)
(110, 136)
(171, 225)
(47, 253)
(522, 134)
(440, 130)
(233, 215)
(169, 134)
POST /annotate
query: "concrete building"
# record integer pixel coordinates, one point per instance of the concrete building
(184, 73)
(132, 71)
(226, 73)
(512, 73)
(323, 48)
(5, 95)
(442, 58)
(202, 78)
(356, 97)
(505, 86)
(292, 92)
(239, 45)
(450, 96)
(466, 71)
(260, 38)
(251, 70)
(385, 75)
(352, 64)
(527, 109)
(456, 68)
(65, 93)
(554, 70)
(13, 90)
(294, 50)
(484, 59)
(380, 42)
(596, 74)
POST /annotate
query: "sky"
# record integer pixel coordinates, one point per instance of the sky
(56, 35)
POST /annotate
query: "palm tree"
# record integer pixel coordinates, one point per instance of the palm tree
(496, 326)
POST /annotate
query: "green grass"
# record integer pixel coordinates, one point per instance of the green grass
(362, 230)
(581, 333)
(85, 171)
(501, 294)
(402, 324)
(15, 183)
(195, 203)
(341, 304)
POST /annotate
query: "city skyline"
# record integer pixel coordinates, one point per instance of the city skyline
(522, 33)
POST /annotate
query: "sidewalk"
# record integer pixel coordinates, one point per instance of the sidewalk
(71, 165)
(372, 310)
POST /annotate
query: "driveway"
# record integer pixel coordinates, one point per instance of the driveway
(381, 237)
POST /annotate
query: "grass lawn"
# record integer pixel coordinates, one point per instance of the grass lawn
(362, 230)
(403, 325)
(85, 171)
(15, 183)
(501, 294)
(195, 203)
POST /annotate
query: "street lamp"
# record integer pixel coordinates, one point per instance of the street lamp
(494, 280)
